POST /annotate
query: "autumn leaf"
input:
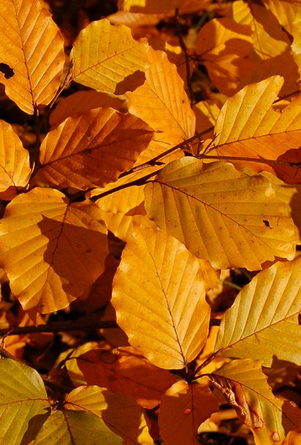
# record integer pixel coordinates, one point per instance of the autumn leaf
(31, 54)
(265, 311)
(125, 371)
(64, 246)
(205, 206)
(14, 163)
(158, 304)
(184, 407)
(120, 412)
(106, 57)
(245, 387)
(248, 127)
(148, 6)
(24, 405)
(91, 149)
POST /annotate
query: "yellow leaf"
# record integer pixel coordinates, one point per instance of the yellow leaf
(159, 297)
(263, 321)
(120, 412)
(14, 162)
(82, 101)
(296, 45)
(230, 218)
(107, 58)
(31, 53)
(284, 11)
(245, 387)
(269, 38)
(126, 371)
(162, 101)
(224, 46)
(52, 251)
(247, 126)
(184, 407)
(148, 6)
(92, 149)
(293, 438)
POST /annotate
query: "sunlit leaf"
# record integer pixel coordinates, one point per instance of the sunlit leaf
(184, 407)
(230, 218)
(14, 162)
(31, 53)
(91, 149)
(72, 427)
(120, 412)
(284, 11)
(127, 372)
(162, 101)
(107, 58)
(269, 38)
(80, 102)
(245, 387)
(159, 298)
(51, 250)
(24, 404)
(263, 321)
(247, 126)
(296, 45)
(224, 46)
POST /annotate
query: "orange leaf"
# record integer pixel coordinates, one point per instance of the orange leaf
(52, 251)
(14, 162)
(184, 407)
(31, 53)
(127, 372)
(92, 149)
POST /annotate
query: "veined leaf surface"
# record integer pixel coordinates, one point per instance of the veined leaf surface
(230, 218)
(91, 149)
(159, 298)
(108, 59)
(24, 404)
(245, 387)
(263, 321)
(52, 251)
(31, 53)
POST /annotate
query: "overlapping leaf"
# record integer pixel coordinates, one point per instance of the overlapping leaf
(230, 218)
(245, 387)
(263, 321)
(159, 298)
(162, 101)
(126, 372)
(107, 58)
(23, 402)
(249, 127)
(92, 149)
(14, 162)
(285, 11)
(52, 251)
(148, 6)
(31, 53)
(71, 427)
(120, 412)
(184, 407)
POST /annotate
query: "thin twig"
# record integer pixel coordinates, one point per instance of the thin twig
(59, 326)
(187, 59)
(256, 160)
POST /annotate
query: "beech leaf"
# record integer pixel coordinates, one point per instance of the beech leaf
(120, 412)
(31, 53)
(107, 58)
(14, 162)
(230, 218)
(184, 407)
(148, 6)
(24, 404)
(126, 371)
(159, 297)
(245, 387)
(263, 321)
(52, 251)
(91, 149)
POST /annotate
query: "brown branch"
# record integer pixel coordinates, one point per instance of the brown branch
(59, 326)
(256, 160)
(187, 59)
